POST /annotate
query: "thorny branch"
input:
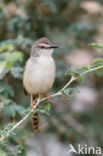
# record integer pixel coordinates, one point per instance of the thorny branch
(43, 99)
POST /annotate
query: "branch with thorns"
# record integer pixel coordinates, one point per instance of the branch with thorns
(59, 93)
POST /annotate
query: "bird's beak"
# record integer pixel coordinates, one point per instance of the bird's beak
(53, 46)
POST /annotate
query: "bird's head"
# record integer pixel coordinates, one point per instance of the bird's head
(43, 46)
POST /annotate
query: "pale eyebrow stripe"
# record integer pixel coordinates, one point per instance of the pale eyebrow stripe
(45, 45)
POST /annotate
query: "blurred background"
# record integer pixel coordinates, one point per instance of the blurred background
(72, 25)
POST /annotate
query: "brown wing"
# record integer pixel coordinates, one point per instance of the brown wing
(25, 92)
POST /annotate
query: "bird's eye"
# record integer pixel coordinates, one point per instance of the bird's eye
(42, 47)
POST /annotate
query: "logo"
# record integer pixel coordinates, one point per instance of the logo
(85, 149)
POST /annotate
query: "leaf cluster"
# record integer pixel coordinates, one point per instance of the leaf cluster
(10, 60)
(69, 93)
(64, 23)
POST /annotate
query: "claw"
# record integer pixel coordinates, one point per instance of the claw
(48, 96)
(32, 104)
(31, 101)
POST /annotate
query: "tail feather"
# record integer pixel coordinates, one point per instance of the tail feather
(36, 121)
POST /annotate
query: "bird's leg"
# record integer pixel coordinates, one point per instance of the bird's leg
(31, 101)
(48, 96)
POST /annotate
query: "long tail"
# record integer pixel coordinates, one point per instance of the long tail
(35, 120)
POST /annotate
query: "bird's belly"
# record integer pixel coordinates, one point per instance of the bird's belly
(40, 78)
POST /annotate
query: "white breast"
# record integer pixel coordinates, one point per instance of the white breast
(39, 75)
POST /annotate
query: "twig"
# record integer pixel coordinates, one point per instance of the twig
(93, 69)
(53, 95)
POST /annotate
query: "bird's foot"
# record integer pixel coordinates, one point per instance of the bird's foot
(32, 104)
(48, 96)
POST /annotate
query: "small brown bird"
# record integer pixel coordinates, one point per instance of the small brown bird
(39, 73)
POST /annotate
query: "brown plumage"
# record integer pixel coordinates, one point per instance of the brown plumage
(36, 121)
(35, 118)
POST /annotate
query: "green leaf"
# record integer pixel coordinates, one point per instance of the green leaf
(96, 45)
(26, 111)
(51, 5)
(69, 91)
(43, 112)
(10, 110)
(82, 79)
(2, 66)
(6, 89)
(2, 88)
(5, 100)
(47, 106)
(9, 126)
(1, 8)
(17, 72)
(19, 109)
(3, 74)
(97, 60)
(6, 48)
(9, 90)
(4, 150)
(76, 71)
(14, 56)
(19, 149)
(96, 65)
(7, 130)
(99, 71)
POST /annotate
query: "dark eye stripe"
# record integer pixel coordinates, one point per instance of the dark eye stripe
(43, 47)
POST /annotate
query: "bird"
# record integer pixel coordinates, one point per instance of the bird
(39, 73)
